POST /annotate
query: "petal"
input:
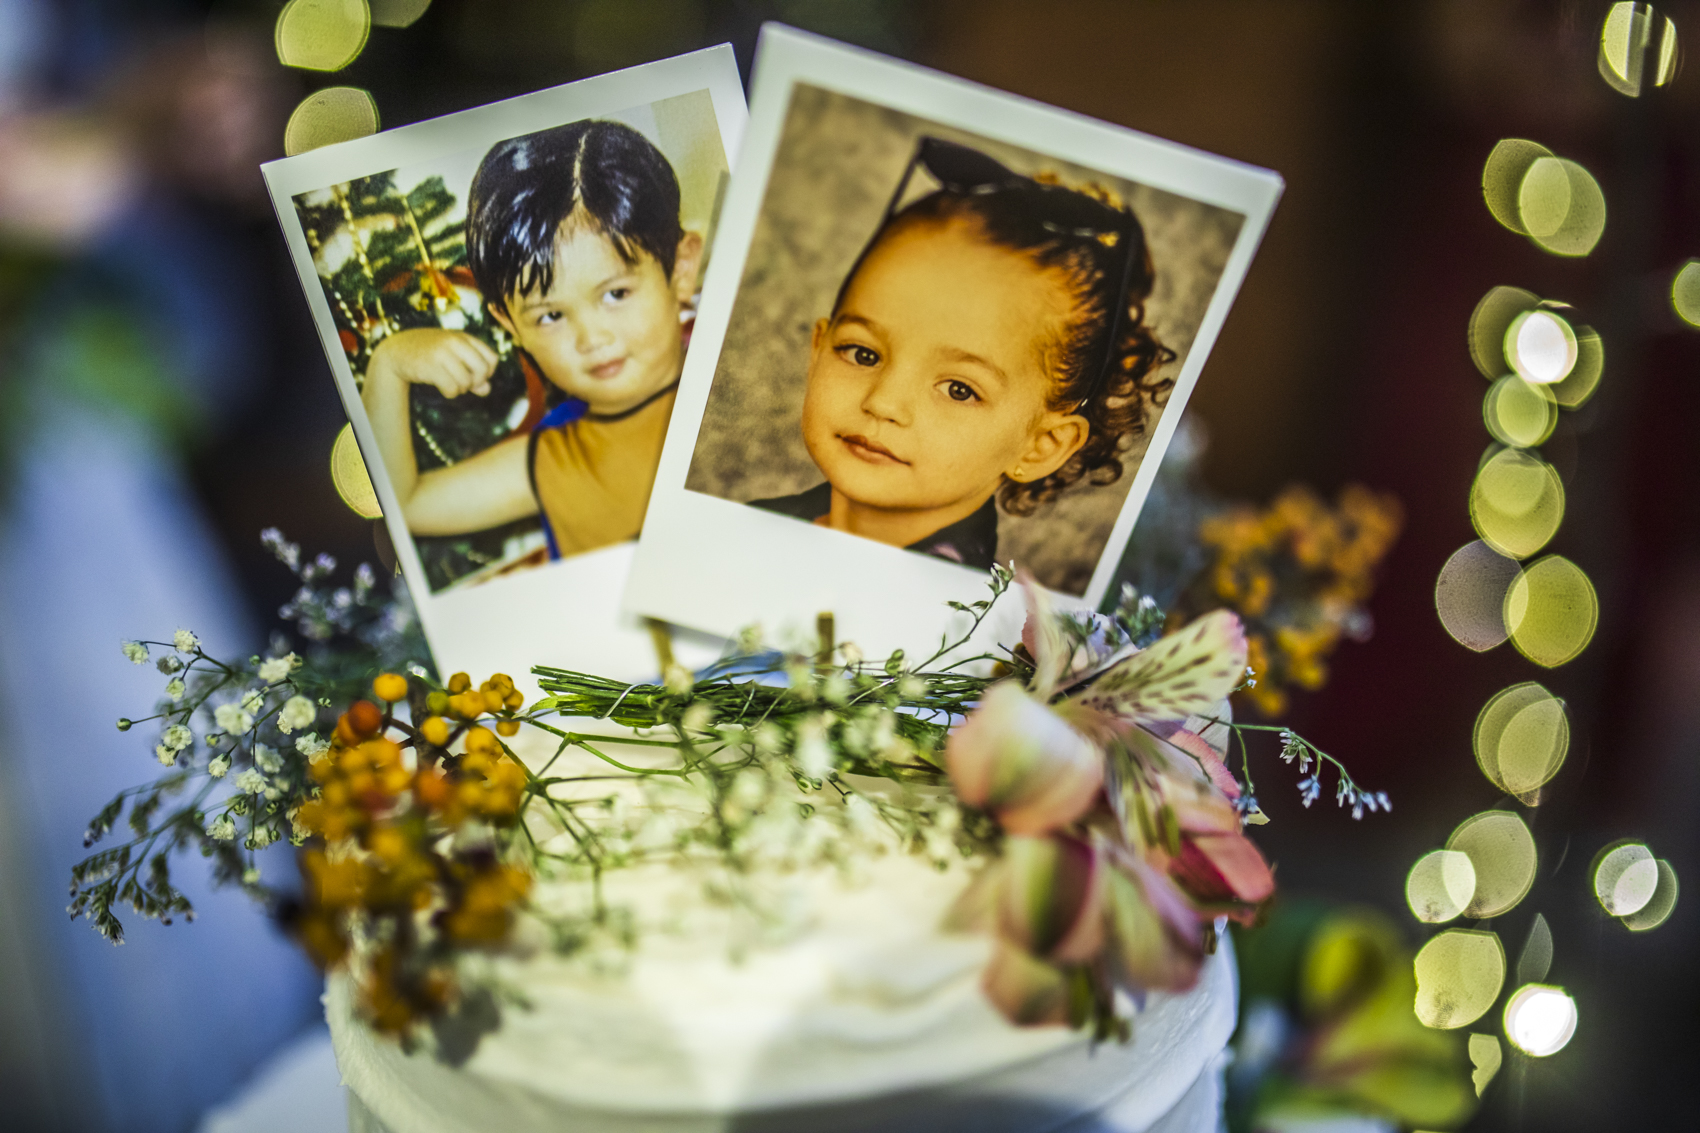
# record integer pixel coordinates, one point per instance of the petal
(1023, 762)
(1052, 896)
(1044, 639)
(1189, 671)
(1026, 991)
(1208, 758)
(1147, 948)
(1217, 868)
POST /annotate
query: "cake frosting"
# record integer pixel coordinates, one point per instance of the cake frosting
(869, 1017)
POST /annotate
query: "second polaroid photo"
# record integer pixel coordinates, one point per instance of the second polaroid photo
(946, 327)
(507, 297)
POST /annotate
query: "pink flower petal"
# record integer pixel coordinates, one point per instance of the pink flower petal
(1026, 991)
(1023, 762)
(1052, 897)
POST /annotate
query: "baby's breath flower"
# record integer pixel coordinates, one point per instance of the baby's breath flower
(262, 837)
(698, 717)
(174, 689)
(815, 757)
(251, 875)
(169, 664)
(310, 745)
(222, 828)
(679, 680)
(769, 737)
(136, 652)
(275, 669)
(297, 712)
(218, 766)
(167, 755)
(750, 639)
(177, 737)
(233, 719)
(267, 759)
(185, 641)
(852, 653)
(836, 690)
(250, 782)
(911, 688)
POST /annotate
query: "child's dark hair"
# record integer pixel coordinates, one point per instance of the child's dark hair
(1112, 384)
(526, 186)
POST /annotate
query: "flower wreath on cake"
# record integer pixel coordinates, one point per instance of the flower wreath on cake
(1083, 778)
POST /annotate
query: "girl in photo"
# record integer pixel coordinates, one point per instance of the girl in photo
(987, 347)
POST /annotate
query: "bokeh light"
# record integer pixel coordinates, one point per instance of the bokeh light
(1540, 346)
(1486, 1056)
(1459, 974)
(1540, 1020)
(397, 13)
(1585, 374)
(1535, 960)
(1502, 179)
(353, 482)
(1440, 886)
(1552, 611)
(1561, 206)
(1522, 736)
(322, 35)
(1516, 504)
(1625, 878)
(1470, 594)
(1493, 316)
(1519, 413)
(1685, 293)
(327, 116)
(1638, 49)
(1659, 907)
(1502, 851)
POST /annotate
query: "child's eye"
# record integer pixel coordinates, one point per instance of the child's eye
(548, 317)
(858, 355)
(960, 391)
(617, 293)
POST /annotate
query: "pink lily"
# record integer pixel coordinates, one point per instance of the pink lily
(1020, 760)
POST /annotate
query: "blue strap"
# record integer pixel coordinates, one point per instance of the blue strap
(565, 413)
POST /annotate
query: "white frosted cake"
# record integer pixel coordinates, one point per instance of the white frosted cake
(865, 1016)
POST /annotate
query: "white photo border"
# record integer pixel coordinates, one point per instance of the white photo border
(567, 614)
(717, 565)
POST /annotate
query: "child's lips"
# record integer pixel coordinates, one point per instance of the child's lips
(869, 450)
(607, 371)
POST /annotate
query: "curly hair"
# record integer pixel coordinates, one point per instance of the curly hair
(1113, 384)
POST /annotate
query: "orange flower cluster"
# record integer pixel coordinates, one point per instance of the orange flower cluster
(378, 857)
(1298, 574)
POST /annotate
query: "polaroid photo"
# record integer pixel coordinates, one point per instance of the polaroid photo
(945, 327)
(506, 296)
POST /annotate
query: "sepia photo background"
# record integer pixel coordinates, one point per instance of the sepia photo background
(390, 253)
(839, 159)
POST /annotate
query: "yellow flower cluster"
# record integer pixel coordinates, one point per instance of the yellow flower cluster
(1297, 573)
(378, 856)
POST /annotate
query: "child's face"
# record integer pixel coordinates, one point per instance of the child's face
(932, 381)
(606, 331)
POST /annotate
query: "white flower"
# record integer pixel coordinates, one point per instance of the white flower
(253, 700)
(852, 653)
(250, 782)
(174, 689)
(836, 690)
(698, 717)
(218, 766)
(275, 669)
(262, 837)
(251, 875)
(297, 712)
(185, 641)
(267, 759)
(169, 664)
(177, 737)
(232, 719)
(310, 745)
(814, 755)
(911, 688)
(167, 755)
(769, 737)
(678, 680)
(136, 652)
(223, 828)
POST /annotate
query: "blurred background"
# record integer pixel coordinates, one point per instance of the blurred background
(163, 397)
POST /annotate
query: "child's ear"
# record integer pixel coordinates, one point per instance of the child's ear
(502, 318)
(818, 336)
(1057, 437)
(687, 265)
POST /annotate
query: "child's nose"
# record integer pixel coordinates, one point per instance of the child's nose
(591, 333)
(889, 396)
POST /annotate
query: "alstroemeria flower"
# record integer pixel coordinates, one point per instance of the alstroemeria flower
(1020, 760)
(1155, 937)
(1051, 897)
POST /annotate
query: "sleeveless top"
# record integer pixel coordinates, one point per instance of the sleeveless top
(592, 474)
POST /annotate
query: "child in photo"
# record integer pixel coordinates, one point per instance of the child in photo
(988, 346)
(574, 239)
